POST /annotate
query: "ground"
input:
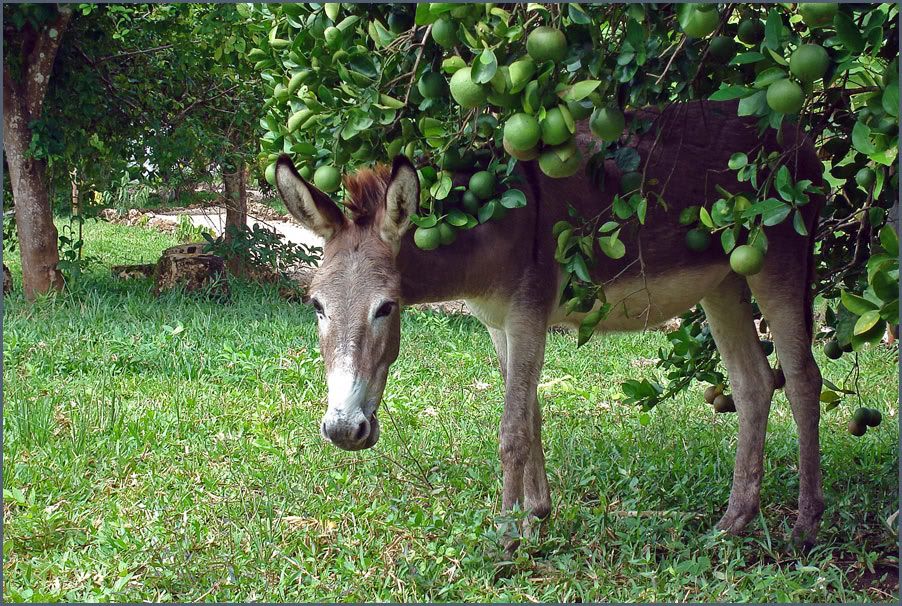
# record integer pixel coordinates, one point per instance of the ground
(167, 449)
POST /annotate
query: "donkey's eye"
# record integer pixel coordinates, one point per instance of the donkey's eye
(317, 306)
(385, 309)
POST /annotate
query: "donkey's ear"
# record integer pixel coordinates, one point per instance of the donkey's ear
(402, 197)
(311, 207)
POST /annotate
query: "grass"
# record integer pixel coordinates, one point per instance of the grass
(167, 449)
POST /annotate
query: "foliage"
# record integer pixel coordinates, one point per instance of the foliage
(351, 84)
(187, 231)
(170, 447)
(260, 246)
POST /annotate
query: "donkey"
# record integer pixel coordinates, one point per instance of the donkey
(506, 272)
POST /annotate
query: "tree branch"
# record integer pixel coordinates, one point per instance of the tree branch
(40, 60)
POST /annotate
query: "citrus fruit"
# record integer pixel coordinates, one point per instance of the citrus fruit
(630, 182)
(431, 85)
(809, 62)
(327, 178)
(817, 14)
(712, 392)
(724, 403)
(857, 429)
(504, 100)
(746, 260)
(607, 123)
(751, 31)
(427, 238)
(698, 20)
(832, 349)
(554, 127)
(874, 417)
(482, 184)
(580, 110)
(560, 161)
(741, 204)
(466, 92)
(698, 239)
(444, 32)
(521, 72)
(332, 35)
(306, 172)
(270, 174)
(526, 154)
(470, 202)
(399, 22)
(767, 347)
(546, 44)
(522, 132)
(447, 234)
(785, 96)
(722, 49)
(861, 415)
(453, 160)
(865, 177)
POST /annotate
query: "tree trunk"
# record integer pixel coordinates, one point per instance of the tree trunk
(235, 185)
(23, 100)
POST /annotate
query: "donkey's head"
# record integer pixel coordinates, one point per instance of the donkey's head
(357, 289)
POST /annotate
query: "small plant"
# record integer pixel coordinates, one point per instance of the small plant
(73, 261)
(189, 232)
(10, 237)
(260, 246)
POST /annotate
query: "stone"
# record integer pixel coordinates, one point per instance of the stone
(195, 273)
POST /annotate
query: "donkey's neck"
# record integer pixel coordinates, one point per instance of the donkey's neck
(481, 262)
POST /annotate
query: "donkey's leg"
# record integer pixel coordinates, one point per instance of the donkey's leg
(525, 332)
(786, 306)
(537, 496)
(730, 316)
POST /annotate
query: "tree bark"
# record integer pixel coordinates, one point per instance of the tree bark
(22, 102)
(235, 185)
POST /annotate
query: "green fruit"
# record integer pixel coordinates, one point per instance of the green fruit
(874, 417)
(722, 49)
(607, 123)
(470, 202)
(832, 349)
(427, 238)
(270, 174)
(698, 239)
(332, 35)
(746, 260)
(447, 235)
(280, 92)
(467, 93)
(630, 182)
(866, 177)
(546, 44)
(817, 14)
(306, 172)
(712, 392)
(857, 429)
(785, 96)
(554, 127)
(528, 154)
(453, 160)
(724, 403)
(697, 22)
(741, 204)
(327, 178)
(444, 32)
(482, 184)
(394, 148)
(751, 31)
(522, 132)
(432, 85)
(561, 161)
(809, 62)
(580, 110)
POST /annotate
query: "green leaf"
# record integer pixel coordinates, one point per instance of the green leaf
(456, 218)
(705, 218)
(580, 269)
(828, 396)
(486, 211)
(441, 188)
(622, 209)
(773, 29)
(744, 58)
(848, 33)
(728, 93)
(754, 105)
(857, 305)
(889, 240)
(611, 246)
(641, 207)
(890, 99)
(861, 138)
(390, 102)
(798, 222)
(609, 226)
(484, 67)
(738, 160)
(890, 312)
(588, 324)
(769, 76)
(427, 221)
(579, 91)
(513, 198)
(728, 240)
(866, 322)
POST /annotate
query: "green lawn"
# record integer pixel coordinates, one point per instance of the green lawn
(168, 450)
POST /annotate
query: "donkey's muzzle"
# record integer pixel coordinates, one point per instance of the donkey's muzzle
(351, 432)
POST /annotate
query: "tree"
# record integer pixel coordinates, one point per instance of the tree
(456, 86)
(32, 36)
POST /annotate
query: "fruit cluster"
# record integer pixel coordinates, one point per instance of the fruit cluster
(863, 418)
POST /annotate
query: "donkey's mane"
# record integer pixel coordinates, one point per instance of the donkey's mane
(366, 192)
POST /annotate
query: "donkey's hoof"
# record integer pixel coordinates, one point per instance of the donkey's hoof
(804, 534)
(736, 519)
